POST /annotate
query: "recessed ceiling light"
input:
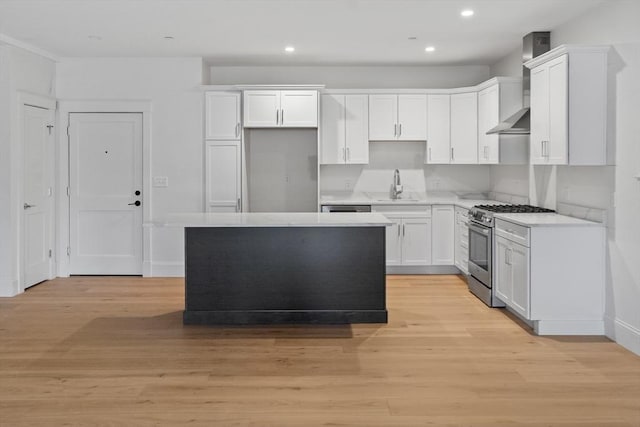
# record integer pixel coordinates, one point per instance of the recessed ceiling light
(289, 49)
(92, 37)
(169, 37)
(413, 38)
(429, 49)
(467, 13)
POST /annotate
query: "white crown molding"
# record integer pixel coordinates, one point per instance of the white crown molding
(4, 39)
(279, 87)
(565, 49)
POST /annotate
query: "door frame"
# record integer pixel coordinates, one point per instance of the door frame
(45, 103)
(67, 107)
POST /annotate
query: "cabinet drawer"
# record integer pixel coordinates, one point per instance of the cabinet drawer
(406, 211)
(514, 232)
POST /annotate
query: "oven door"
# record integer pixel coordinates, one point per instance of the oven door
(480, 249)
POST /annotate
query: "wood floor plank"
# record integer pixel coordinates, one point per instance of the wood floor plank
(113, 351)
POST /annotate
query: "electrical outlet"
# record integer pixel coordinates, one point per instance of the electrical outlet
(347, 184)
(160, 181)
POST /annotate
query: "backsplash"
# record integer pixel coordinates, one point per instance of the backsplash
(408, 158)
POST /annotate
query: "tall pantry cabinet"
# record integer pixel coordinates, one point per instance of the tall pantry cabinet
(223, 152)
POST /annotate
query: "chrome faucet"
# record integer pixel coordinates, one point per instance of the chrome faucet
(396, 188)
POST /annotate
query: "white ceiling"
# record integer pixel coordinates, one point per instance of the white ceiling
(255, 32)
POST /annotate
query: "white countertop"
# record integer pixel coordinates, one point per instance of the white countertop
(268, 219)
(546, 220)
(408, 199)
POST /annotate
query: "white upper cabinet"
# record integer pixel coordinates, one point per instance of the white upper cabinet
(397, 117)
(280, 108)
(464, 128)
(438, 129)
(412, 117)
(344, 129)
(569, 106)
(222, 121)
(498, 99)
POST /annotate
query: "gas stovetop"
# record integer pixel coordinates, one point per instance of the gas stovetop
(484, 213)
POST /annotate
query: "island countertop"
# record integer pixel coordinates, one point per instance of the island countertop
(272, 219)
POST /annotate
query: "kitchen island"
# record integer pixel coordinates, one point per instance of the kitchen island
(270, 268)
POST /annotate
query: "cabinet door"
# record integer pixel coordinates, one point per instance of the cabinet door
(442, 235)
(558, 146)
(461, 240)
(502, 284)
(222, 115)
(464, 128)
(383, 117)
(394, 241)
(222, 185)
(519, 263)
(357, 129)
(299, 108)
(539, 114)
(332, 130)
(438, 128)
(488, 117)
(416, 241)
(412, 117)
(261, 108)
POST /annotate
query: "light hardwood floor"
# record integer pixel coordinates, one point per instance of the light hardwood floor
(113, 351)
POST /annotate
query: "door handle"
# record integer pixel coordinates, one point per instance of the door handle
(136, 203)
(28, 206)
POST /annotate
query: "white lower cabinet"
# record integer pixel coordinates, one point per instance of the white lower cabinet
(409, 238)
(222, 184)
(552, 275)
(461, 244)
(442, 233)
(512, 275)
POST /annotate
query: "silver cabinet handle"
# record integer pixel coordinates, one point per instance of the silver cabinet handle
(398, 230)
(278, 117)
(429, 153)
(395, 129)
(402, 230)
(282, 117)
(238, 205)
(506, 256)
(400, 129)
(237, 129)
(344, 156)
(348, 154)
(452, 157)
(28, 206)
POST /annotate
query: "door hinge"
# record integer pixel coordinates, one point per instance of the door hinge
(68, 250)
(50, 253)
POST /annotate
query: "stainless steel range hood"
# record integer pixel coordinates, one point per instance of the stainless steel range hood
(533, 44)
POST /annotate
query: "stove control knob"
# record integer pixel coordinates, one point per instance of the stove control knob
(487, 220)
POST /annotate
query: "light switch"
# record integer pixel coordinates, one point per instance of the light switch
(160, 181)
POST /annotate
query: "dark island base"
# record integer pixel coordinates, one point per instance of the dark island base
(307, 317)
(284, 275)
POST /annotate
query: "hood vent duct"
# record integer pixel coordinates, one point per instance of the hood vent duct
(533, 44)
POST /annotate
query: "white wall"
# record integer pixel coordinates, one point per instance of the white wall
(613, 188)
(20, 71)
(408, 158)
(176, 134)
(353, 77)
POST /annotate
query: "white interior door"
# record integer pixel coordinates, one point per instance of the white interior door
(105, 183)
(37, 192)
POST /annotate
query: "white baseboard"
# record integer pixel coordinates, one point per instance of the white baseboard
(624, 334)
(165, 269)
(569, 327)
(419, 269)
(9, 287)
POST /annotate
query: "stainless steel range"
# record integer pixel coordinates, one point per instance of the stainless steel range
(481, 249)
